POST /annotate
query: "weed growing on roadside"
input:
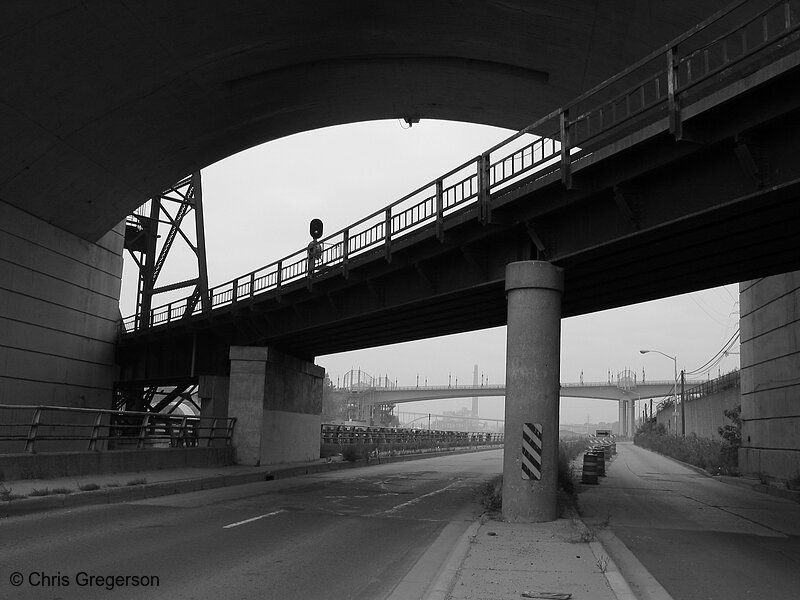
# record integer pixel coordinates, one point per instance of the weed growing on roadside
(585, 534)
(7, 495)
(602, 563)
(140, 481)
(88, 487)
(717, 456)
(491, 495)
(50, 492)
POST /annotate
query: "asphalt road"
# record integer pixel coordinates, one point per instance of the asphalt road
(700, 538)
(340, 535)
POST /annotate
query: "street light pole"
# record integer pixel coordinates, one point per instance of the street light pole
(674, 385)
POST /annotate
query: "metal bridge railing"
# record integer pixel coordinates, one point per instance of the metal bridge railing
(361, 434)
(715, 386)
(23, 427)
(501, 386)
(711, 55)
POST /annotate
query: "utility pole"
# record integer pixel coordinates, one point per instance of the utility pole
(683, 406)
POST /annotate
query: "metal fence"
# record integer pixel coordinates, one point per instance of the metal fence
(361, 434)
(715, 53)
(715, 386)
(26, 428)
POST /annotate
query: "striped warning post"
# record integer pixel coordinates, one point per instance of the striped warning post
(532, 451)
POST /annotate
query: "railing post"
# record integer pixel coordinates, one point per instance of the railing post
(143, 431)
(440, 210)
(345, 251)
(95, 432)
(566, 164)
(484, 188)
(229, 433)
(183, 438)
(31, 441)
(673, 103)
(252, 284)
(211, 433)
(235, 291)
(387, 235)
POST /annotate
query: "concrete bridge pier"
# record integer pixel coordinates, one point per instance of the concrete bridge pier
(534, 290)
(277, 401)
(627, 418)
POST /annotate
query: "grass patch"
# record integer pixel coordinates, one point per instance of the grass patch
(714, 456)
(50, 492)
(717, 456)
(112, 484)
(491, 495)
(88, 487)
(7, 494)
(568, 451)
(139, 481)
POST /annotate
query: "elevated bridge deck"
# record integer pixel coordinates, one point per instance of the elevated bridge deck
(678, 174)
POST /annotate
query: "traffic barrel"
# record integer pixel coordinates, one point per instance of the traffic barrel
(601, 462)
(589, 474)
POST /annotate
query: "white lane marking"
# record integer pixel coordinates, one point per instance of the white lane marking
(415, 500)
(272, 514)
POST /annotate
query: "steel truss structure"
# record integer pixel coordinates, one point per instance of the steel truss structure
(150, 250)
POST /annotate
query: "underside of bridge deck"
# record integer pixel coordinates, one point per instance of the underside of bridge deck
(106, 103)
(650, 217)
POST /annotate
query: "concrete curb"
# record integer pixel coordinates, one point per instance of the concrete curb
(612, 573)
(646, 584)
(114, 495)
(442, 586)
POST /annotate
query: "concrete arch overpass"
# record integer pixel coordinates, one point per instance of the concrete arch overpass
(107, 103)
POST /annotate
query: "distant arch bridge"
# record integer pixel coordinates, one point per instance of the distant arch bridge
(594, 390)
(624, 390)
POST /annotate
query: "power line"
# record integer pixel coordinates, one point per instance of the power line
(717, 358)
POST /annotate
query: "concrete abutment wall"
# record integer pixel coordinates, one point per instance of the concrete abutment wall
(59, 315)
(770, 346)
(277, 401)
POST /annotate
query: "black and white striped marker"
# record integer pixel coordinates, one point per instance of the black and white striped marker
(532, 451)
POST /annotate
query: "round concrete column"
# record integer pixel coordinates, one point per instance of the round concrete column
(533, 290)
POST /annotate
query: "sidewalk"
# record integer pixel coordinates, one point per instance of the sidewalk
(507, 561)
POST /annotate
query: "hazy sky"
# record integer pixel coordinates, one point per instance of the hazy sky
(258, 205)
